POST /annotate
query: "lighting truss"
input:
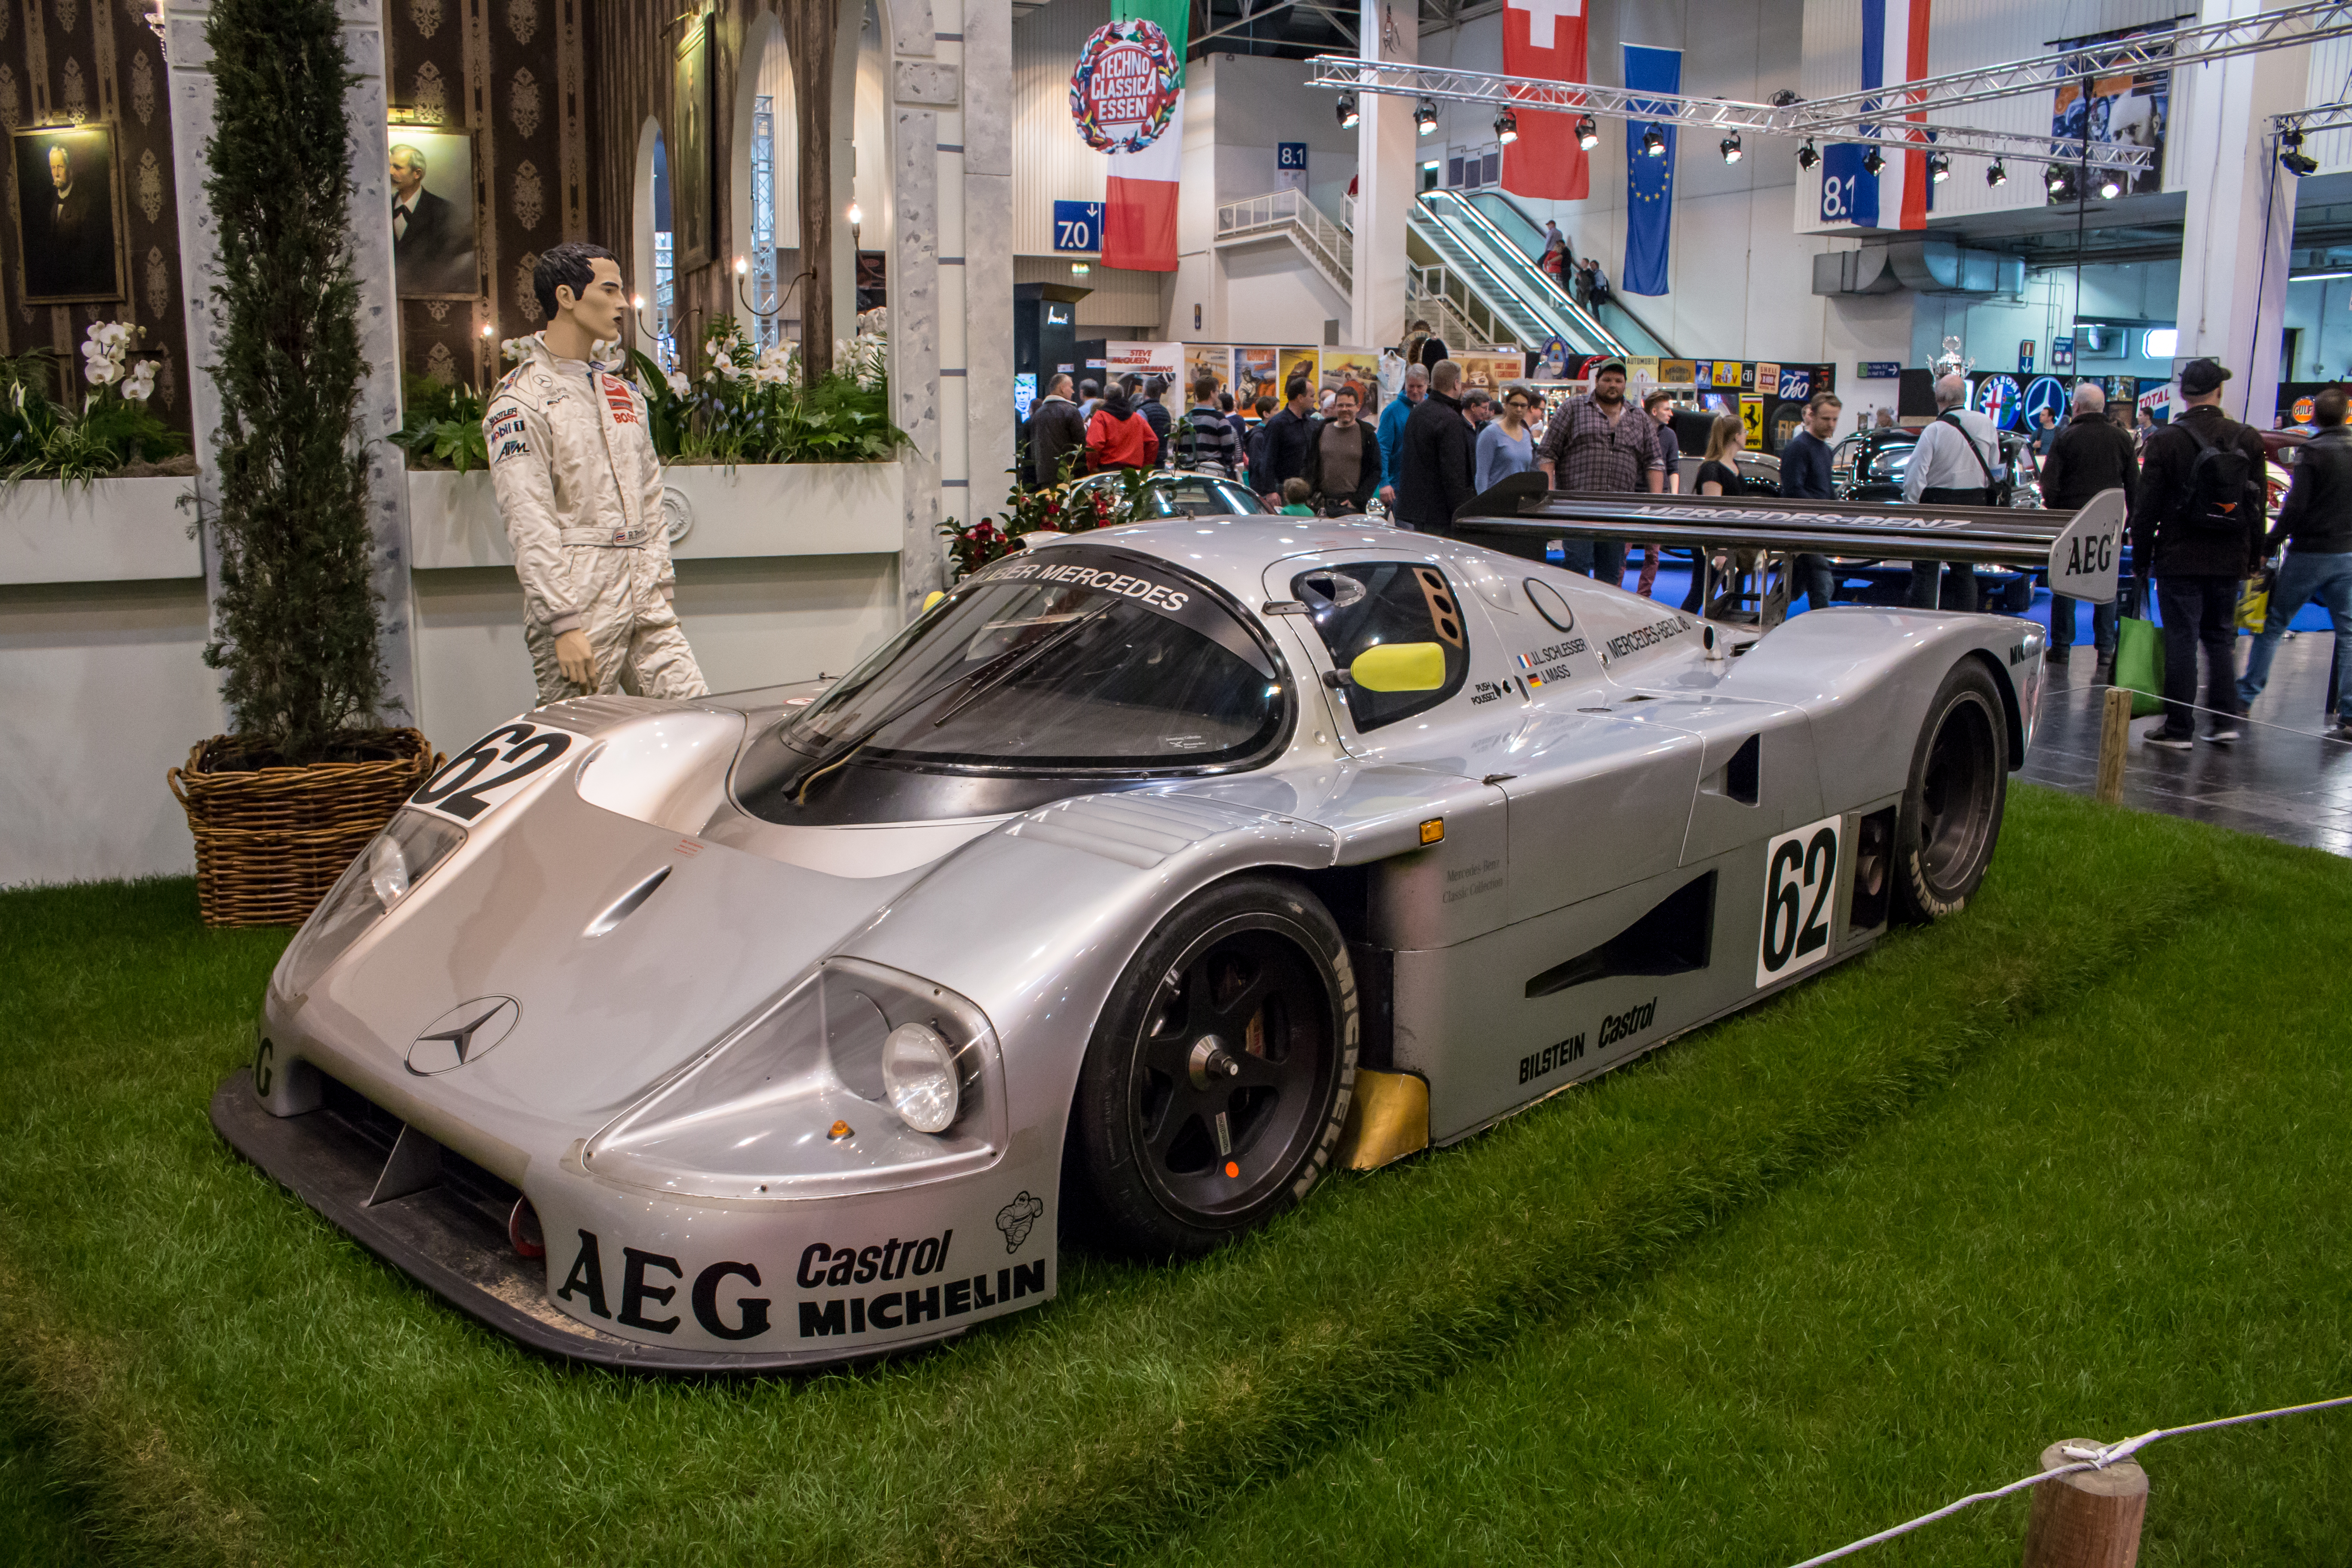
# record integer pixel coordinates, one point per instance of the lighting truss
(2167, 50)
(2311, 122)
(1888, 124)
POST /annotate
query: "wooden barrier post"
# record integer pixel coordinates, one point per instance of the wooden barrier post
(2115, 734)
(2090, 1519)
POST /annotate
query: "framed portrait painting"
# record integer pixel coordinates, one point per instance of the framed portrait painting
(434, 216)
(690, 151)
(69, 197)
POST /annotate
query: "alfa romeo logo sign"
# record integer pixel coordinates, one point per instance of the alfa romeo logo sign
(1123, 93)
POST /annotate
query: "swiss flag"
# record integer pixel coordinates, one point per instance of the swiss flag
(1544, 39)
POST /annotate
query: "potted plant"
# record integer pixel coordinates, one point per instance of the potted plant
(311, 773)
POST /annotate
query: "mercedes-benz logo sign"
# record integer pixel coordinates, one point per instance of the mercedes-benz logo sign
(463, 1034)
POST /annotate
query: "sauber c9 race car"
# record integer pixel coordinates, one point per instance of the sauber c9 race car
(1144, 878)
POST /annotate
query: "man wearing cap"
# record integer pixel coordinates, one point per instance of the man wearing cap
(1597, 446)
(2197, 526)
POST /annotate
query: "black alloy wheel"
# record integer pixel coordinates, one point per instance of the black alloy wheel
(1950, 818)
(1220, 1074)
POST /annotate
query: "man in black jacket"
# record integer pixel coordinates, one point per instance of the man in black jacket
(1056, 430)
(1280, 451)
(2317, 517)
(1437, 456)
(2091, 455)
(2199, 552)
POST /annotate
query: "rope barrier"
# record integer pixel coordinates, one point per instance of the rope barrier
(2102, 689)
(2094, 1459)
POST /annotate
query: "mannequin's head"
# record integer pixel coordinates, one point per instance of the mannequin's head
(579, 289)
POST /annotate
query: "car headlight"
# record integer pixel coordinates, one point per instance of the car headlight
(856, 1076)
(386, 873)
(919, 1074)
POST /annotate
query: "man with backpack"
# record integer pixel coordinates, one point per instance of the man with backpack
(2197, 526)
(1205, 436)
(1951, 466)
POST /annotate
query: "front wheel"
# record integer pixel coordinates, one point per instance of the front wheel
(1950, 816)
(1219, 1075)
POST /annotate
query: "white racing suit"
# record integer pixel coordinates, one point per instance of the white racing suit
(580, 490)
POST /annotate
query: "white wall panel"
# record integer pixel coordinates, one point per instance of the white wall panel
(1050, 162)
(1273, 296)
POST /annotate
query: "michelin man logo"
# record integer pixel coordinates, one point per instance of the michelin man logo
(1015, 1218)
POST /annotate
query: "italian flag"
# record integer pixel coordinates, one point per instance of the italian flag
(1139, 208)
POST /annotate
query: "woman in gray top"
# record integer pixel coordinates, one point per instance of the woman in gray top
(1507, 445)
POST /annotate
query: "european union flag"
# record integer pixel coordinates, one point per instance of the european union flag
(1649, 180)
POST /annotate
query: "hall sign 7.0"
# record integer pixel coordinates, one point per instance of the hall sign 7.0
(1800, 900)
(1078, 226)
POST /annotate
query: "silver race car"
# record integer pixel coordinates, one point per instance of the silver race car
(1145, 877)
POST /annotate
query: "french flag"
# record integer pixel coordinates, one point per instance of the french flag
(1894, 51)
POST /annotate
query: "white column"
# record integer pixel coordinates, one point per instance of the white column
(2233, 256)
(1384, 178)
(193, 99)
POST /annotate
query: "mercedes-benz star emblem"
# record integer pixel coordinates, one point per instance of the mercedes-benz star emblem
(464, 1033)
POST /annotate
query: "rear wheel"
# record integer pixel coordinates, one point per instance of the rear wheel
(1219, 1075)
(1950, 816)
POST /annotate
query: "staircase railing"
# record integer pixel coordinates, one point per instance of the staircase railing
(1329, 245)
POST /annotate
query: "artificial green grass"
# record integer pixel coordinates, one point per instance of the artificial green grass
(238, 1381)
(2126, 1214)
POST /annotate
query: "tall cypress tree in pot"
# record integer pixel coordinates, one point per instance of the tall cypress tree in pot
(279, 807)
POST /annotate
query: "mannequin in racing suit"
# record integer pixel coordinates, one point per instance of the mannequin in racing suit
(580, 492)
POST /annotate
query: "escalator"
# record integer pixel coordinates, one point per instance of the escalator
(1527, 234)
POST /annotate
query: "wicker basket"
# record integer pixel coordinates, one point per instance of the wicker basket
(271, 841)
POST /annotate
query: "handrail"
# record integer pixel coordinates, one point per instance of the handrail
(1325, 242)
(1533, 227)
(1549, 293)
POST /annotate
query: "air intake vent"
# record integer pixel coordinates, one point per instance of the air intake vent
(1674, 938)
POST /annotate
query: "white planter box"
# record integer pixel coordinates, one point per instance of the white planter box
(752, 510)
(110, 532)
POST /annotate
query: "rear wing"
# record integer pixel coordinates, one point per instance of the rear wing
(2079, 551)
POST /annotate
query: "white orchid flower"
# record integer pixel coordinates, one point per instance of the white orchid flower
(678, 384)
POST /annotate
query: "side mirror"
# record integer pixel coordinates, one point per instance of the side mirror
(1399, 667)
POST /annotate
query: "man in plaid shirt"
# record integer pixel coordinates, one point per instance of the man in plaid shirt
(1597, 446)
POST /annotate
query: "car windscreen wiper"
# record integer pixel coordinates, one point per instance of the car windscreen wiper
(1022, 658)
(796, 786)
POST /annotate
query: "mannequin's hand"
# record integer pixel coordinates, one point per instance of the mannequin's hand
(572, 657)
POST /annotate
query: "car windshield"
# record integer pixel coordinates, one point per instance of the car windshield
(1888, 464)
(1190, 495)
(1074, 657)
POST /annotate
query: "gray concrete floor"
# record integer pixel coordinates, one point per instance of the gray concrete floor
(2283, 779)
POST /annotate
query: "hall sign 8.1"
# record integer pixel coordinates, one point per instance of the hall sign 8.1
(1078, 226)
(1838, 197)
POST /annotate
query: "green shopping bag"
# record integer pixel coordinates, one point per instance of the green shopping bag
(2139, 664)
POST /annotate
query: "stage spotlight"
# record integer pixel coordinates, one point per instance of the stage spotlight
(1654, 142)
(1996, 175)
(2056, 180)
(1939, 166)
(1873, 161)
(1507, 128)
(1730, 146)
(2109, 187)
(2292, 156)
(1349, 115)
(1588, 132)
(1806, 156)
(1424, 117)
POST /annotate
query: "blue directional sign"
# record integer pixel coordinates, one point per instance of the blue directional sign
(1078, 226)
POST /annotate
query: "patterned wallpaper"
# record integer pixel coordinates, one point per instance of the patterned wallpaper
(73, 62)
(510, 70)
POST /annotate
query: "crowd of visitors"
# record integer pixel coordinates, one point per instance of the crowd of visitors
(2194, 488)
